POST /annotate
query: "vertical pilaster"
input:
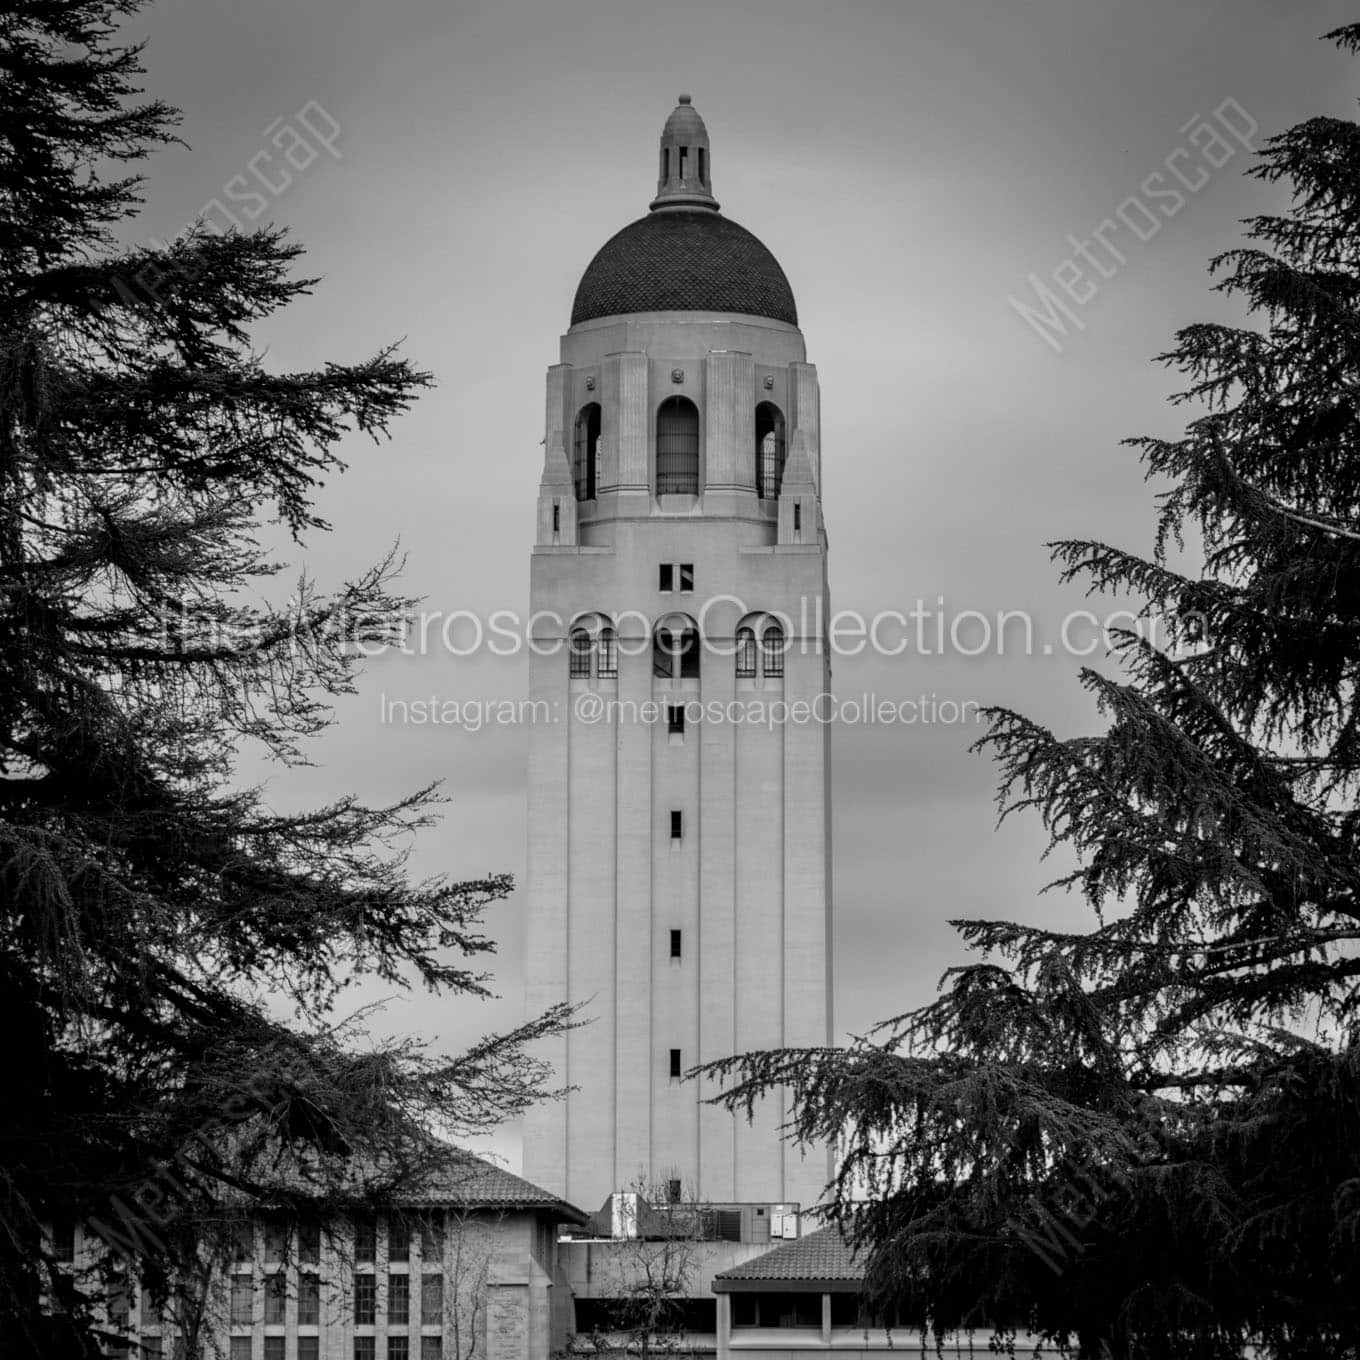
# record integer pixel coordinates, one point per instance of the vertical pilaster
(637, 955)
(626, 469)
(729, 434)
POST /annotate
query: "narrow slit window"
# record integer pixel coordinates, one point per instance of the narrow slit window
(557, 517)
(677, 825)
(675, 944)
(686, 576)
(665, 164)
(703, 169)
(665, 577)
(798, 517)
(675, 1063)
(684, 161)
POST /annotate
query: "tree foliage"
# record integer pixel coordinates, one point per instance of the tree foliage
(148, 904)
(1145, 1138)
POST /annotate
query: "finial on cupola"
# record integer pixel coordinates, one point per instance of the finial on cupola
(686, 171)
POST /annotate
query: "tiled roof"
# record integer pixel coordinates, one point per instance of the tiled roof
(822, 1256)
(688, 261)
(472, 1183)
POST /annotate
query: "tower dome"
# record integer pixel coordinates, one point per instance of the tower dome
(684, 255)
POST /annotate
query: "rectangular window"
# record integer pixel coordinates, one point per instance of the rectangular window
(365, 1348)
(398, 1239)
(686, 576)
(275, 1298)
(243, 1242)
(365, 1239)
(665, 164)
(398, 1298)
(675, 944)
(365, 1300)
(677, 825)
(309, 1300)
(432, 1235)
(557, 517)
(275, 1241)
(431, 1348)
(242, 1301)
(675, 719)
(398, 1348)
(151, 1348)
(673, 1192)
(276, 1348)
(150, 1315)
(309, 1348)
(242, 1348)
(701, 165)
(432, 1300)
(309, 1244)
(675, 1062)
(797, 517)
(684, 161)
(665, 577)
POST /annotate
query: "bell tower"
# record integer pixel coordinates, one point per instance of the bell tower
(679, 856)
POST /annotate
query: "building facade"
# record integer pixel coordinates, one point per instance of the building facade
(679, 856)
(468, 1269)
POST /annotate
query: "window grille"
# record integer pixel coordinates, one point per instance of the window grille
(580, 654)
(585, 452)
(677, 448)
(609, 655)
(769, 450)
(772, 649)
(746, 654)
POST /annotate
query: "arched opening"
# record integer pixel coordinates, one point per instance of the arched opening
(675, 653)
(769, 450)
(585, 451)
(746, 654)
(677, 448)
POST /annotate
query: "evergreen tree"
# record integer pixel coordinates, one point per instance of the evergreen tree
(1144, 1139)
(149, 905)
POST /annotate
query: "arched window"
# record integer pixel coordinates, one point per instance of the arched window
(609, 655)
(585, 451)
(677, 448)
(675, 654)
(769, 450)
(580, 654)
(772, 651)
(746, 654)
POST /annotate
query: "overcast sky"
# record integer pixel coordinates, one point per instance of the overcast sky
(911, 165)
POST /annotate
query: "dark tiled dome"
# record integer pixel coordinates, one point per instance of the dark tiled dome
(684, 261)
